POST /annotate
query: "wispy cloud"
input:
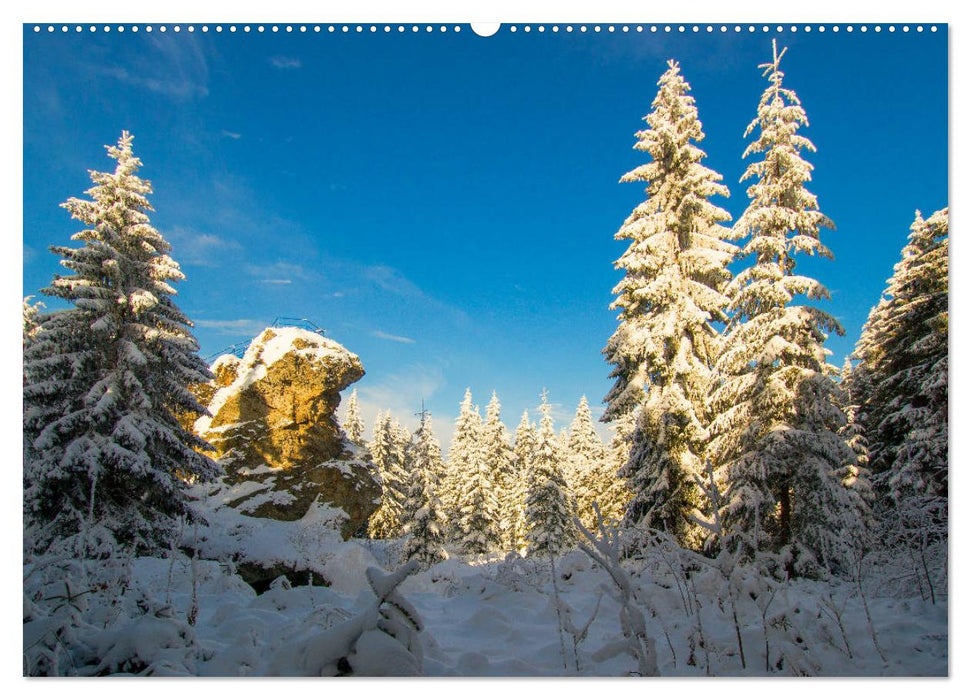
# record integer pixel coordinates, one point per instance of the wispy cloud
(285, 62)
(231, 135)
(402, 393)
(193, 247)
(174, 66)
(279, 272)
(391, 280)
(234, 326)
(395, 338)
(395, 282)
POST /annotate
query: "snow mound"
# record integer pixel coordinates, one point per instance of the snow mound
(346, 566)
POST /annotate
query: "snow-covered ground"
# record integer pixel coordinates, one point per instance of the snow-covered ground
(489, 617)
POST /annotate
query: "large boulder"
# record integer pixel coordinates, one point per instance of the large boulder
(273, 427)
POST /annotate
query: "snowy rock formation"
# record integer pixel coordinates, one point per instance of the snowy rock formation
(274, 429)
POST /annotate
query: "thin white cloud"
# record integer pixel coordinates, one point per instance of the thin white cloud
(285, 62)
(394, 338)
(402, 393)
(232, 326)
(231, 135)
(174, 66)
(394, 282)
(193, 247)
(280, 272)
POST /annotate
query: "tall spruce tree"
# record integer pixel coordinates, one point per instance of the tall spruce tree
(106, 377)
(424, 521)
(477, 525)
(463, 454)
(776, 436)
(612, 493)
(857, 477)
(587, 458)
(388, 455)
(353, 425)
(665, 345)
(550, 508)
(900, 381)
(524, 449)
(499, 460)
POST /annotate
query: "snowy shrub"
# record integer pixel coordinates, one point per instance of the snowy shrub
(605, 550)
(381, 640)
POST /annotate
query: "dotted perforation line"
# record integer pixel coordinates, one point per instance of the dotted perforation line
(512, 29)
(718, 28)
(247, 28)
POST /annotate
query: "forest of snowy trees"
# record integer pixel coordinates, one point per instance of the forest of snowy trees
(722, 382)
(735, 440)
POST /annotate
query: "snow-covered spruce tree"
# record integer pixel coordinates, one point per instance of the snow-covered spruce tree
(611, 490)
(550, 508)
(857, 476)
(353, 425)
(499, 460)
(388, 455)
(477, 519)
(900, 382)
(424, 521)
(776, 440)
(587, 457)
(108, 375)
(524, 448)
(462, 455)
(665, 346)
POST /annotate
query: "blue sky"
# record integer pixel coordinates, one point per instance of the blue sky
(445, 204)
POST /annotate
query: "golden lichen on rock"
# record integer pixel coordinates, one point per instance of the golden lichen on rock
(274, 424)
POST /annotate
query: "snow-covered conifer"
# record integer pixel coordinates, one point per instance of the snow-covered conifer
(857, 476)
(500, 461)
(665, 346)
(424, 521)
(524, 448)
(107, 376)
(477, 524)
(353, 425)
(586, 456)
(776, 436)
(901, 379)
(602, 485)
(461, 453)
(582, 438)
(388, 455)
(550, 508)
(612, 492)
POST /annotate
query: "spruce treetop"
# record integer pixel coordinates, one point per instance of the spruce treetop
(782, 218)
(676, 263)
